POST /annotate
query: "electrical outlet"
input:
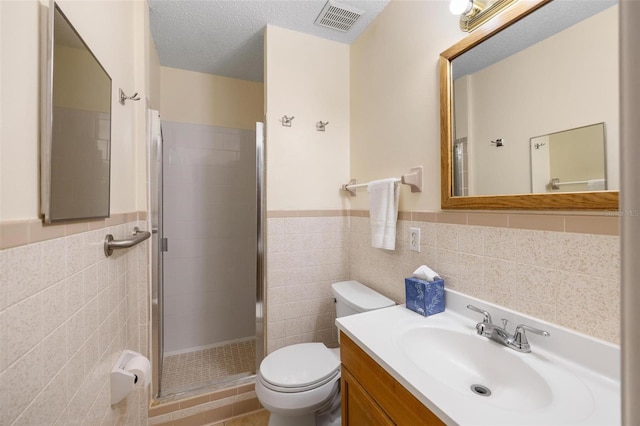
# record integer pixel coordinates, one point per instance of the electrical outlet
(414, 239)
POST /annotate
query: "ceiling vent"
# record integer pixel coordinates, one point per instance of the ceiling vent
(338, 16)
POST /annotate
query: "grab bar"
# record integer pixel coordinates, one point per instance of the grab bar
(110, 244)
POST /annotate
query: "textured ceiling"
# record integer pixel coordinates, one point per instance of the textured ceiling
(545, 22)
(225, 37)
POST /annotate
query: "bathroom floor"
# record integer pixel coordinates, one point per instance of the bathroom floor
(259, 418)
(192, 370)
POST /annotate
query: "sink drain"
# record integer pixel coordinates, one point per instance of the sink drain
(480, 390)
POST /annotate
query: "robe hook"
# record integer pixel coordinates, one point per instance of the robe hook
(124, 97)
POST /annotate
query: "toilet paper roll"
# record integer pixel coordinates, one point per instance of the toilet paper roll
(141, 367)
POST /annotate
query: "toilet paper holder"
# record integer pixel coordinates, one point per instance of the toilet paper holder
(130, 370)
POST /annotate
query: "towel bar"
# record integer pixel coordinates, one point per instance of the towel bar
(110, 244)
(413, 179)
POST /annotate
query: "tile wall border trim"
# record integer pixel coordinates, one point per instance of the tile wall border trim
(602, 223)
(307, 213)
(16, 233)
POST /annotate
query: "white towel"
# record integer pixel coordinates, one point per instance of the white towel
(596, 185)
(383, 211)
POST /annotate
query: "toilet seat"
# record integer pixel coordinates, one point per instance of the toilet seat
(299, 368)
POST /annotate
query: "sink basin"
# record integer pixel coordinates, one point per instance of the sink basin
(464, 378)
(495, 375)
(472, 365)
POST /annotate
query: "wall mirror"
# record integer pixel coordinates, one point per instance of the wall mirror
(542, 70)
(75, 134)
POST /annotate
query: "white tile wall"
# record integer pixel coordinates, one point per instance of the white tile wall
(210, 221)
(305, 255)
(66, 314)
(80, 191)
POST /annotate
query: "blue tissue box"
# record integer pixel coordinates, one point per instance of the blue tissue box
(424, 297)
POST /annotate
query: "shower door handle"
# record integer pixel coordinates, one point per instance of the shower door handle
(164, 244)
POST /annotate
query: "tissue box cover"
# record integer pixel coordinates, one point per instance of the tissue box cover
(424, 297)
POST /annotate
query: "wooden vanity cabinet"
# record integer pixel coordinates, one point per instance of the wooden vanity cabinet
(372, 397)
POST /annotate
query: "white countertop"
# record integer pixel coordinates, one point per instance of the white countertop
(593, 365)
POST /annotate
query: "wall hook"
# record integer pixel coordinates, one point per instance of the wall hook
(321, 125)
(124, 97)
(498, 142)
(286, 120)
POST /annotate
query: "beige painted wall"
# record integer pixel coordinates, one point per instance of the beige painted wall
(588, 80)
(395, 97)
(148, 82)
(308, 78)
(199, 98)
(19, 138)
(154, 73)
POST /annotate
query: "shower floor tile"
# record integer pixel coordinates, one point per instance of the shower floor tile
(193, 370)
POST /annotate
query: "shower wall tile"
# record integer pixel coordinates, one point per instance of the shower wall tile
(566, 278)
(66, 317)
(305, 255)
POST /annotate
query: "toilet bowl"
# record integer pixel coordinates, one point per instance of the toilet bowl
(300, 384)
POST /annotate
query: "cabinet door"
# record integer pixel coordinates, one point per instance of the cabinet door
(358, 408)
(393, 399)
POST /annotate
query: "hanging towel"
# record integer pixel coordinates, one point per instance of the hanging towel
(383, 211)
(596, 185)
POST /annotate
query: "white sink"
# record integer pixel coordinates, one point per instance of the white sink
(567, 379)
(494, 374)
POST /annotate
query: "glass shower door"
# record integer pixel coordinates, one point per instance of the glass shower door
(209, 271)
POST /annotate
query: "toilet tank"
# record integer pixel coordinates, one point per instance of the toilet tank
(353, 297)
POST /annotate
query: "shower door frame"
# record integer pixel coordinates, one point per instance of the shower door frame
(157, 303)
(261, 222)
(155, 208)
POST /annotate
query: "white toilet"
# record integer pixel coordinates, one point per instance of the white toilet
(300, 384)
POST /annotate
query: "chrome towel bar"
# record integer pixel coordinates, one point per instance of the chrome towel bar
(110, 244)
(413, 179)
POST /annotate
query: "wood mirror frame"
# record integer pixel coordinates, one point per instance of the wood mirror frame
(603, 200)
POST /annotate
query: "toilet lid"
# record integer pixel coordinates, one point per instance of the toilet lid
(305, 365)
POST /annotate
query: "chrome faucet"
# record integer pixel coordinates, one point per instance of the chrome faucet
(518, 341)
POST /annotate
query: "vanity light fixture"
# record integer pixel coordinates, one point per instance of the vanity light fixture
(474, 13)
(461, 7)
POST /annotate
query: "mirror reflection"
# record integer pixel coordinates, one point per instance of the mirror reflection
(80, 129)
(569, 161)
(554, 70)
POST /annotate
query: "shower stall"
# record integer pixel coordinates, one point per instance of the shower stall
(206, 213)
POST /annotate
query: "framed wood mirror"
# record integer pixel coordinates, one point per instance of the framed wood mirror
(500, 128)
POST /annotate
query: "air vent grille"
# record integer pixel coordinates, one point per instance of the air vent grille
(338, 16)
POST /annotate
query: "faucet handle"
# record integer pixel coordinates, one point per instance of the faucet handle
(523, 327)
(487, 315)
(519, 339)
